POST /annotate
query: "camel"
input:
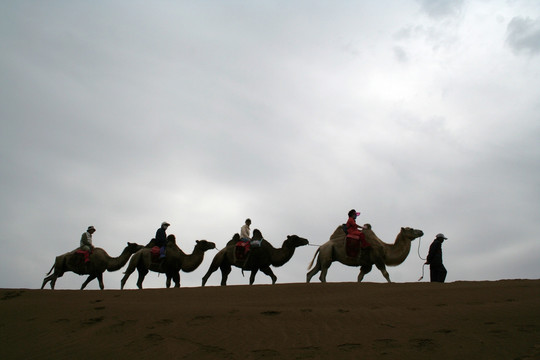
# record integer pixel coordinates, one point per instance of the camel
(99, 262)
(381, 254)
(259, 258)
(174, 261)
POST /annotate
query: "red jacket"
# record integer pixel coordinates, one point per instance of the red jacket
(352, 228)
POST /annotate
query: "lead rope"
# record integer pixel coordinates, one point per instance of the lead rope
(421, 277)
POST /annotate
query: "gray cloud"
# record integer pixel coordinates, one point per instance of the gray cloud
(400, 54)
(439, 9)
(202, 115)
(523, 35)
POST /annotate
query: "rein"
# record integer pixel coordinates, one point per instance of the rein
(420, 240)
(421, 258)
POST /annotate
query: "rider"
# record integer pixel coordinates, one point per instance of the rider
(354, 230)
(161, 238)
(245, 231)
(352, 227)
(86, 239)
(86, 246)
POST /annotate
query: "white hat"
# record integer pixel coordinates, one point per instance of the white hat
(165, 224)
(441, 236)
(91, 228)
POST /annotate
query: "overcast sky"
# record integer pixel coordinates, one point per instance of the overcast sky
(416, 113)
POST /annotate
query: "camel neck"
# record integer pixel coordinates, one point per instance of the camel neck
(397, 253)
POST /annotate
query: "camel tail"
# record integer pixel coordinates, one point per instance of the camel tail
(312, 260)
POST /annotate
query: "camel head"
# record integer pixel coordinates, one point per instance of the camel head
(411, 233)
(204, 245)
(133, 247)
(295, 241)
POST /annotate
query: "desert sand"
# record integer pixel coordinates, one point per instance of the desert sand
(460, 320)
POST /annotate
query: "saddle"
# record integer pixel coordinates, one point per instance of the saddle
(155, 252)
(354, 244)
(241, 250)
(84, 254)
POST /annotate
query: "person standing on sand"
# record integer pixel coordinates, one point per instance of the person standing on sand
(86, 239)
(434, 259)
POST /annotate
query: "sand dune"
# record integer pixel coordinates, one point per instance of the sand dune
(467, 320)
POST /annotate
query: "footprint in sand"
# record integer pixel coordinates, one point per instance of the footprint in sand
(422, 344)
(349, 347)
(93, 321)
(153, 337)
(199, 320)
(385, 344)
(271, 313)
(265, 354)
(120, 326)
(11, 295)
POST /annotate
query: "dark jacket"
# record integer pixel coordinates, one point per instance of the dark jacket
(161, 237)
(435, 253)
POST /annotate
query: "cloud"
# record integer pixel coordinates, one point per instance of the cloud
(439, 9)
(523, 35)
(400, 54)
(203, 115)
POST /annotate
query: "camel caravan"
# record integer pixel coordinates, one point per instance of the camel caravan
(350, 244)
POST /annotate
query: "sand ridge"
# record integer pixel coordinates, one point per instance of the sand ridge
(492, 320)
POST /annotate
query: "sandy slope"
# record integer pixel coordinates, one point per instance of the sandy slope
(467, 320)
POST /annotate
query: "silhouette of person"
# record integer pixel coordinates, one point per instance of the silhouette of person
(161, 238)
(437, 270)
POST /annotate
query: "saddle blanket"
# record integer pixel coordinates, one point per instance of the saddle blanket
(241, 250)
(86, 254)
(354, 243)
(155, 253)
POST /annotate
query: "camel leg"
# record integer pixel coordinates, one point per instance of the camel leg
(252, 276)
(323, 262)
(142, 274)
(100, 281)
(313, 271)
(168, 281)
(176, 279)
(216, 262)
(324, 265)
(382, 268)
(124, 280)
(53, 281)
(364, 269)
(127, 273)
(51, 278)
(270, 273)
(90, 278)
(225, 271)
(211, 270)
(207, 275)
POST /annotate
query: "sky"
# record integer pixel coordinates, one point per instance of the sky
(416, 113)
